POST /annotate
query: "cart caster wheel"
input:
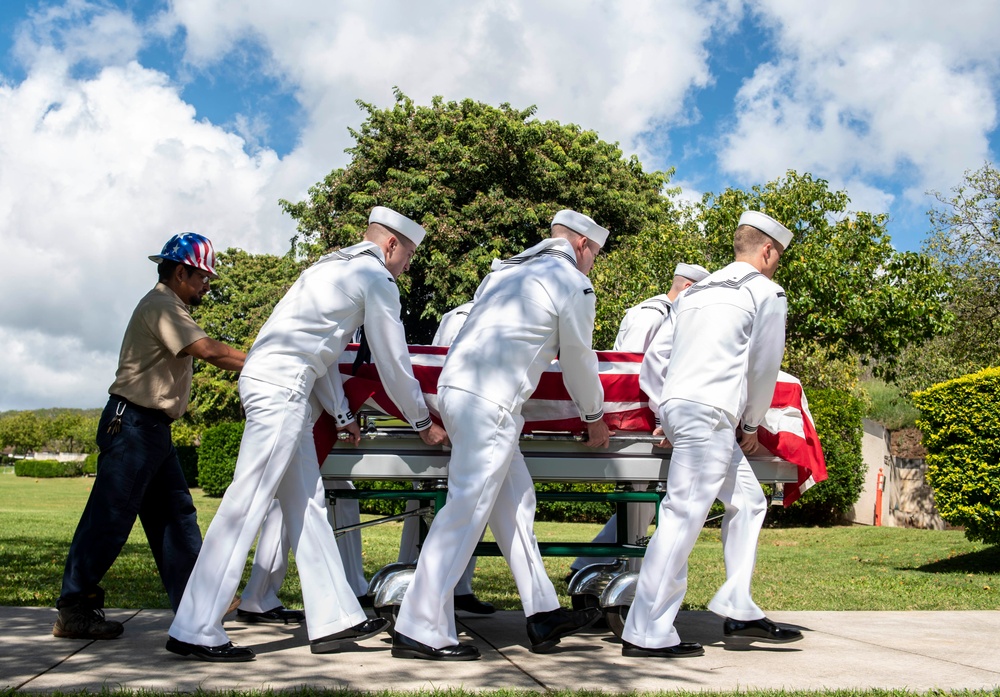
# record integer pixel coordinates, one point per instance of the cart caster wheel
(388, 613)
(388, 586)
(616, 600)
(585, 601)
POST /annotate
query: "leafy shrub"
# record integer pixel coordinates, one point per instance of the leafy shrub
(188, 456)
(960, 420)
(42, 469)
(220, 445)
(837, 416)
(574, 511)
(89, 465)
(382, 506)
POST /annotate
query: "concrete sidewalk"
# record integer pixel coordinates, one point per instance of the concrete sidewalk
(918, 651)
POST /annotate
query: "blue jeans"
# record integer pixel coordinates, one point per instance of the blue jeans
(138, 474)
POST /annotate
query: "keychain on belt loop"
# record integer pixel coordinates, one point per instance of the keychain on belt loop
(116, 423)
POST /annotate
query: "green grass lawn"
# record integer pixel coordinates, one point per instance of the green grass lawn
(841, 568)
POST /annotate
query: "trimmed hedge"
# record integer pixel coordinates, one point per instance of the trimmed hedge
(960, 422)
(44, 469)
(382, 506)
(837, 416)
(574, 511)
(220, 445)
(188, 456)
(90, 465)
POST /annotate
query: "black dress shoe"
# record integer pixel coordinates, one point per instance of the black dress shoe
(226, 653)
(763, 630)
(277, 615)
(405, 647)
(468, 602)
(359, 632)
(545, 629)
(681, 650)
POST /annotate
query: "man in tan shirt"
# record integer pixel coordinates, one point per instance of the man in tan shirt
(138, 473)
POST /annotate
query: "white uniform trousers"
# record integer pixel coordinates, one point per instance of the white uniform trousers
(706, 464)
(640, 516)
(277, 458)
(488, 482)
(344, 513)
(409, 549)
(270, 559)
(270, 564)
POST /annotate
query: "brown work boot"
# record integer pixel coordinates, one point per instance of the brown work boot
(81, 622)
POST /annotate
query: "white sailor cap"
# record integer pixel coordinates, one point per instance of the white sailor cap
(398, 223)
(583, 224)
(692, 272)
(769, 226)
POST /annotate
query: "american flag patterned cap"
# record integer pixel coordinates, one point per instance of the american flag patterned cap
(191, 249)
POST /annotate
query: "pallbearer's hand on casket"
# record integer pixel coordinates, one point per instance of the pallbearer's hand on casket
(433, 435)
(598, 434)
(748, 442)
(658, 431)
(353, 432)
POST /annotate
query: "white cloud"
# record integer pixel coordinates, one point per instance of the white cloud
(73, 33)
(870, 92)
(101, 160)
(40, 371)
(619, 68)
(96, 174)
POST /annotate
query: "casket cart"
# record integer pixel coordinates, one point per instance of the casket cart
(552, 454)
(396, 453)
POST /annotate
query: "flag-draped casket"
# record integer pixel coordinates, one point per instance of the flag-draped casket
(787, 431)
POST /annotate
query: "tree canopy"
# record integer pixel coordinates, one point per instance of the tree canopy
(965, 241)
(59, 430)
(849, 291)
(484, 181)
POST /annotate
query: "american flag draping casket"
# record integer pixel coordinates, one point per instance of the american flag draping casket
(787, 431)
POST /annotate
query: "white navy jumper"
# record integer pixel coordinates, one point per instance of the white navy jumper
(451, 323)
(728, 344)
(304, 336)
(640, 324)
(537, 305)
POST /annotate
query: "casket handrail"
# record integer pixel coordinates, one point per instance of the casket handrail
(397, 453)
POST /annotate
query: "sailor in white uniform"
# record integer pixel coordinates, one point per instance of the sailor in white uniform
(532, 307)
(451, 323)
(409, 542)
(728, 344)
(259, 601)
(648, 321)
(304, 336)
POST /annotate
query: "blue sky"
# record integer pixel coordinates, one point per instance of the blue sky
(122, 122)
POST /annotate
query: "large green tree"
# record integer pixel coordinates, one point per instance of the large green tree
(965, 240)
(850, 293)
(644, 267)
(72, 431)
(484, 181)
(24, 431)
